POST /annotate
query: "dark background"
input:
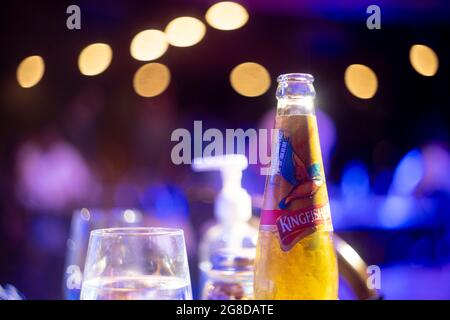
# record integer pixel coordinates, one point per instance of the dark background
(125, 142)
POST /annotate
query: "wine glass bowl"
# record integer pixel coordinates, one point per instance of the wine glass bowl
(136, 264)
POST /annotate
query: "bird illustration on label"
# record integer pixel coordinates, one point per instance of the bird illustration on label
(306, 180)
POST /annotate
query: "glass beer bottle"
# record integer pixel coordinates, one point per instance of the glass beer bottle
(295, 257)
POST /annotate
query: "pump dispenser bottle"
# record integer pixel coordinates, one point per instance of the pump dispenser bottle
(232, 210)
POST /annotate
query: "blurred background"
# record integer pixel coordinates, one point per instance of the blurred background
(86, 118)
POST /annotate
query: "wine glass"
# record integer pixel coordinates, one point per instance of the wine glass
(136, 264)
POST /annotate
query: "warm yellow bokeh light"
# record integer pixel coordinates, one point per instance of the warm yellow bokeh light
(424, 60)
(30, 71)
(148, 45)
(250, 79)
(361, 81)
(185, 31)
(226, 15)
(151, 79)
(94, 59)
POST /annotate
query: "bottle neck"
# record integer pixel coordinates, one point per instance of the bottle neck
(295, 94)
(297, 106)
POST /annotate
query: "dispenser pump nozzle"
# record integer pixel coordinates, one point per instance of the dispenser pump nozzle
(233, 202)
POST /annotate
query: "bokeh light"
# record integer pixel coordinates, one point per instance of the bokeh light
(85, 214)
(52, 177)
(424, 60)
(94, 59)
(129, 216)
(436, 161)
(250, 79)
(30, 71)
(151, 79)
(226, 15)
(355, 183)
(185, 31)
(408, 174)
(148, 45)
(361, 81)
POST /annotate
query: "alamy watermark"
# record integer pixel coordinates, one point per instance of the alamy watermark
(374, 20)
(373, 277)
(73, 21)
(213, 142)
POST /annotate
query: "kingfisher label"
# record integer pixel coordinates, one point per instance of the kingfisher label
(295, 198)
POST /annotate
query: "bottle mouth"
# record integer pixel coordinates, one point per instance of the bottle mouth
(300, 77)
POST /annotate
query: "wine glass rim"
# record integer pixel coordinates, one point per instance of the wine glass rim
(138, 231)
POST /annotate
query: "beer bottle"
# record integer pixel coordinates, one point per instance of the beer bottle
(295, 257)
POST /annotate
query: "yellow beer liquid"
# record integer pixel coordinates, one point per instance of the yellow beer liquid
(308, 271)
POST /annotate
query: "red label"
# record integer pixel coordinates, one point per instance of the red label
(295, 197)
(295, 225)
